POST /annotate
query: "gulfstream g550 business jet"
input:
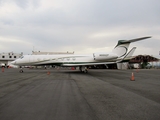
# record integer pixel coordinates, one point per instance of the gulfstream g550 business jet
(118, 54)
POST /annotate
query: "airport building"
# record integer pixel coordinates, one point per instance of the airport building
(6, 58)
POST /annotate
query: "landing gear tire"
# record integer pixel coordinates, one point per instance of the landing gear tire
(21, 71)
(83, 69)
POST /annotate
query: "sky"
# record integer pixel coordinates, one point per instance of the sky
(82, 26)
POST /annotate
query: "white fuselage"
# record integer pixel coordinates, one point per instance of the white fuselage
(64, 60)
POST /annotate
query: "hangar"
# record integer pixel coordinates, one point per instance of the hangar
(139, 61)
(143, 60)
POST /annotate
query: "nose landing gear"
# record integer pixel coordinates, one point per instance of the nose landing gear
(21, 69)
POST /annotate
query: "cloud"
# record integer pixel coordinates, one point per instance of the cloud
(80, 26)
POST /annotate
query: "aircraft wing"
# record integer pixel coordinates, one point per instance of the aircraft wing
(86, 64)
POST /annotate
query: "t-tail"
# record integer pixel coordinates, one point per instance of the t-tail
(121, 48)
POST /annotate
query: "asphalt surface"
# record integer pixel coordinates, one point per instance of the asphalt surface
(71, 95)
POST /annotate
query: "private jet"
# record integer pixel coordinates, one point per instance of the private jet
(118, 54)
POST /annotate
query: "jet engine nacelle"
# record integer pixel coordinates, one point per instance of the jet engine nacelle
(104, 56)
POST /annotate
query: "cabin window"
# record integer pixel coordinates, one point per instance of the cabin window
(3, 56)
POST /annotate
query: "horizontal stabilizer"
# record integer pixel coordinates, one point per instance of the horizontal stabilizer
(133, 40)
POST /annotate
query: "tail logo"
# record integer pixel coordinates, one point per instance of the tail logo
(121, 51)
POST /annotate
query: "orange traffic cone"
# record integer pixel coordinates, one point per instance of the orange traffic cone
(48, 73)
(132, 77)
(2, 69)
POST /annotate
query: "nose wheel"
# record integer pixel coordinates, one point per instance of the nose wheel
(21, 70)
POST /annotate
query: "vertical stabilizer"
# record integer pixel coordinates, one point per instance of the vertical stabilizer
(122, 47)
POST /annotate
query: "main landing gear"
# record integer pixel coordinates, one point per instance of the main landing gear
(83, 69)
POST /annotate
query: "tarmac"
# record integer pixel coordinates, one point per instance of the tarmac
(53, 94)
